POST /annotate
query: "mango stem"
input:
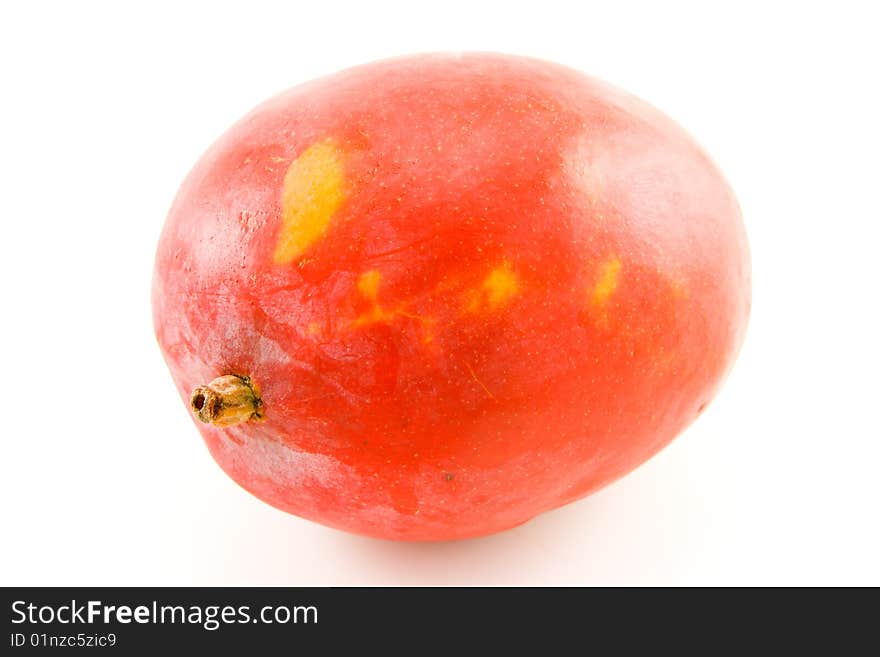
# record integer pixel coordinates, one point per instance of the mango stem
(226, 401)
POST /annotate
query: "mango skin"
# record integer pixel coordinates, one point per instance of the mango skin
(470, 288)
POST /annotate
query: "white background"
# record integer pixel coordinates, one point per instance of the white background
(104, 479)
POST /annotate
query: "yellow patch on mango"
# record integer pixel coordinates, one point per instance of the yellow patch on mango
(313, 190)
(497, 289)
(368, 284)
(607, 281)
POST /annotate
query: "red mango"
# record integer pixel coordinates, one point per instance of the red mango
(432, 297)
